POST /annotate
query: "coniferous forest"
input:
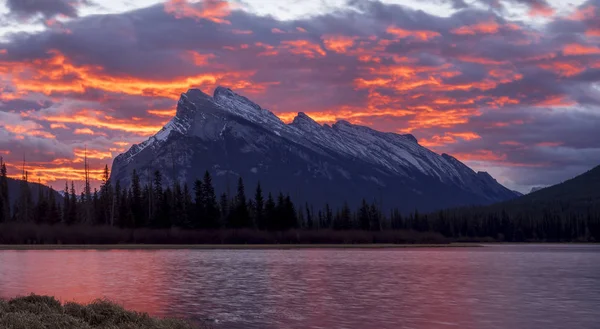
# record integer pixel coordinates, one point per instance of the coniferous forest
(154, 212)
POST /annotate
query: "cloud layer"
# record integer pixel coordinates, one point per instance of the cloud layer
(516, 99)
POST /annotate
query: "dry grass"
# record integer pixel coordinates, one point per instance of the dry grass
(42, 312)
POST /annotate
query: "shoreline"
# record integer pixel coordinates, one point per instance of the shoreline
(231, 246)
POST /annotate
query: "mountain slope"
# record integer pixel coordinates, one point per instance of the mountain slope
(14, 191)
(576, 195)
(231, 136)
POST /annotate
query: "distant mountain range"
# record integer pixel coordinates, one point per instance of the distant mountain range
(230, 136)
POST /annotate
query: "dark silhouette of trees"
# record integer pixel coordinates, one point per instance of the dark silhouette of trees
(176, 206)
(4, 200)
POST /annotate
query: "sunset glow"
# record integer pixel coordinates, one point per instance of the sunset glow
(481, 85)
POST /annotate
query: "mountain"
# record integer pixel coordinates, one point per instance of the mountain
(536, 188)
(231, 136)
(576, 196)
(14, 190)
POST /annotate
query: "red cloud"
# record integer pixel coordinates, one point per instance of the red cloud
(212, 10)
(422, 35)
(338, 43)
(490, 27)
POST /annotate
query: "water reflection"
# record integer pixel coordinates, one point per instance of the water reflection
(496, 287)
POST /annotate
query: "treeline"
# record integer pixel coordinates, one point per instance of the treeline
(153, 205)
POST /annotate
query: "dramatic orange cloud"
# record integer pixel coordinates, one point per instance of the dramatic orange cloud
(593, 32)
(92, 154)
(58, 74)
(481, 155)
(448, 138)
(58, 126)
(163, 113)
(200, 59)
(563, 68)
(277, 31)
(575, 49)
(304, 47)
(212, 10)
(27, 130)
(422, 35)
(338, 43)
(84, 131)
(56, 170)
(99, 119)
(490, 27)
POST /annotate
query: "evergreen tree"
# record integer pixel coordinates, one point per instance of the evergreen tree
(259, 208)
(106, 199)
(156, 200)
(199, 216)
(66, 203)
(24, 210)
(309, 218)
(211, 208)
(270, 213)
(241, 217)
(40, 214)
(4, 200)
(364, 219)
(290, 214)
(225, 213)
(374, 218)
(136, 200)
(73, 206)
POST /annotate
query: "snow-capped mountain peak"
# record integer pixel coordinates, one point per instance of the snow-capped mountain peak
(228, 124)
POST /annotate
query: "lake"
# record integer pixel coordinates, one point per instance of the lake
(500, 286)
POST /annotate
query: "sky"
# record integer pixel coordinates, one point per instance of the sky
(511, 87)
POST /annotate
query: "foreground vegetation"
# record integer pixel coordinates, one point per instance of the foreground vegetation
(42, 312)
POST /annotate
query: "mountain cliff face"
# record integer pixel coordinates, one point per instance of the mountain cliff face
(231, 136)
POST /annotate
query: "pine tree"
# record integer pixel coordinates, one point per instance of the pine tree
(364, 219)
(259, 208)
(136, 200)
(106, 199)
(157, 199)
(4, 200)
(309, 217)
(374, 218)
(225, 211)
(66, 204)
(290, 214)
(24, 211)
(199, 216)
(241, 215)
(40, 214)
(73, 206)
(270, 213)
(53, 215)
(211, 208)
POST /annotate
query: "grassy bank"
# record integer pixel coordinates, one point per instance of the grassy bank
(29, 234)
(42, 312)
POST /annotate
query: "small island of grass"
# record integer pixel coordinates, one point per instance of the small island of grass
(42, 312)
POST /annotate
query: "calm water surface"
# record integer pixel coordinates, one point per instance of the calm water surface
(530, 286)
